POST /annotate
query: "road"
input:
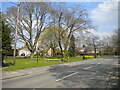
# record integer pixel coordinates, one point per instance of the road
(96, 73)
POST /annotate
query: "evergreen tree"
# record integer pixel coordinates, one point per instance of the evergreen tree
(6, 40)
(72, 46)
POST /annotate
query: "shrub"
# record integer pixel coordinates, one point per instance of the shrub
(58, 56)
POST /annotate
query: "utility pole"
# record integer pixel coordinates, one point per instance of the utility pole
(16, 32)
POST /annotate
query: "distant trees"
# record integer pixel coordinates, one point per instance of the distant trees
(93, 41)
(115, 41)
(107, 45)
(114, 38)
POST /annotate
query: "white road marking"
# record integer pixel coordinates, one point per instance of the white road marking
(66, 76)
(88, 67)
(73, 73)
(98, 63)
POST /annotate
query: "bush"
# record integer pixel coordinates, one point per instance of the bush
(66, 54)
(58, 56)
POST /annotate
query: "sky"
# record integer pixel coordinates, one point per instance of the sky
(104, 15)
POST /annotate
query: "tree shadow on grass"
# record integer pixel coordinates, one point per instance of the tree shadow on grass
(7, 64)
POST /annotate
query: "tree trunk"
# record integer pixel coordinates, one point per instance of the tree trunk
(61, 48)
(94, 52)
(3, 61)
(32, 55)
(62, 52)
(53, 52)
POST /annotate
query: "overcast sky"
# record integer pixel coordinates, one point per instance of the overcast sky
(104, 15)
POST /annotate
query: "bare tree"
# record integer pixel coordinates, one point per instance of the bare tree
(114, 38)
(114, 41)
(93, 42)
(33, 17)
(69, 20)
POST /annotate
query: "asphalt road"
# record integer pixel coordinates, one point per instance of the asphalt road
(96, 73)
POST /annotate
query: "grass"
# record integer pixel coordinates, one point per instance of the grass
(24, 63)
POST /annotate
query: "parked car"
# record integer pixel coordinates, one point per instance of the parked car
(23, 54)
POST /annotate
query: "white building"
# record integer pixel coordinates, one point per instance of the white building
(24, 52)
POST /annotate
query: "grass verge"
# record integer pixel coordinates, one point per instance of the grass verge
(24, 63)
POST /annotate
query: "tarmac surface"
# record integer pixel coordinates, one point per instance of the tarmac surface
(94, 73)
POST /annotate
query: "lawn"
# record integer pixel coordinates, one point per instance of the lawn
(23, 63)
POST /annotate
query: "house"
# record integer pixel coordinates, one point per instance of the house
(88, 51)
(24, 52)
(50, 52)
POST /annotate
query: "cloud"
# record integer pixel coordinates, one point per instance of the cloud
(105, 16)
(100, 34)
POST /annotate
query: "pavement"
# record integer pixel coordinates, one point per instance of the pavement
(94, 73)
(24, 72)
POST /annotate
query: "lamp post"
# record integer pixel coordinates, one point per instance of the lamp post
(84, 52)
(37, 56)
(16, 31)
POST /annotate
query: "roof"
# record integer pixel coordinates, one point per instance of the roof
(24, 49)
